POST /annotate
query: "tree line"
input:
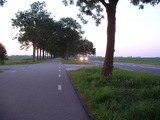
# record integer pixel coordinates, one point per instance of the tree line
(61, 38)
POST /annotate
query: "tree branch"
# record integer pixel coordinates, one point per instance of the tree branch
(104, 3)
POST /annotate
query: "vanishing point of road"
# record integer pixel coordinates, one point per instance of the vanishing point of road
(39, 92)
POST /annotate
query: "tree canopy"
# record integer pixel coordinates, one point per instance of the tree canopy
(38, 29)
(2, 2)
(94, 9)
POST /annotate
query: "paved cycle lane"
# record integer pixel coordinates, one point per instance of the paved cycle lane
(39, 92)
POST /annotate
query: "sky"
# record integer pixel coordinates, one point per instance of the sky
(137, 31)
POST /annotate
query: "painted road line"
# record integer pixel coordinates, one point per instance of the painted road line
(59, 87)
(59, 75)
(13, 71)
(59, 70)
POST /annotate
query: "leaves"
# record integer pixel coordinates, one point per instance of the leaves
(3, 52)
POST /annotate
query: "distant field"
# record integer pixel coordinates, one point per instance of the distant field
(153, 61)
(21, 60)
(18, 60)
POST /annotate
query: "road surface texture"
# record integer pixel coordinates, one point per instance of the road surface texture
(155, 69)
(38, 92)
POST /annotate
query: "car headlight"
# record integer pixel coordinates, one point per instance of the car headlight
(86, 58)
(81, 58)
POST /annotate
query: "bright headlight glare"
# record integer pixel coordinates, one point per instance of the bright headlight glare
(81, 58)
(86, 58)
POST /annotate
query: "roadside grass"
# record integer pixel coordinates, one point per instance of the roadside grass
(21, 60)
(73, 62)
(126, 95)
(102, 59)
(1, 71)
(152, 61)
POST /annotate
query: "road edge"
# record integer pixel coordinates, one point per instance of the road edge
(84, 105)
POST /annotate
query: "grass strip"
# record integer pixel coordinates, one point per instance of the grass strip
(126, 95)
(22, 61)
(73, 62)
(151, 61)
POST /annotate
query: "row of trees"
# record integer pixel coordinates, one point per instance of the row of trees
(47, 36)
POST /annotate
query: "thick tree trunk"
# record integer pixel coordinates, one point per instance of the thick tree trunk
(108, 62)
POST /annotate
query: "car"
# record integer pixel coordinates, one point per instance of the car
(83, 58)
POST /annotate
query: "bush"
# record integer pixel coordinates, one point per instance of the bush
(3, 53)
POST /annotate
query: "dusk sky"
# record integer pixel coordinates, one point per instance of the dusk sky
(137, 31)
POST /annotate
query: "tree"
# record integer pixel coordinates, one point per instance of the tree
(27, 22)
(3, 53)
(93, 8)
(71, 33)
(2, 2)
(85, 47)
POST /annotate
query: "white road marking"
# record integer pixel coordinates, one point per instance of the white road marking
(13, 71)
(59, 75)
(59, 87)
(59, 70)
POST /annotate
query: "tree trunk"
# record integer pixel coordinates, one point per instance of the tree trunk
(37, 53)
(43, 54)
(66, 52)
(34, 51)
(108, 62)
(40, 57)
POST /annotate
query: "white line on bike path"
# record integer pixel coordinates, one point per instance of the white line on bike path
(59, 87)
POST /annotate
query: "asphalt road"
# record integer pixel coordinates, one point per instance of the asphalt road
(38, 92)
(155, 69)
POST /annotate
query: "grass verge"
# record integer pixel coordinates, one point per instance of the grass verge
(1, 71)
(126, 95)
(73, 62)
(152, 61)
(22, 61)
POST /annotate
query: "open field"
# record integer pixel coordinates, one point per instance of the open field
(152, 61)
(126, 95)
(21, 60)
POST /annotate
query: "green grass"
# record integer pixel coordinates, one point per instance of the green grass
(1, 71)
(21, 60)
(152, 61)
(73, 62)
(126, 95)
(97, 59)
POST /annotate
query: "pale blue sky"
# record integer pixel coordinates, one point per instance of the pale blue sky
(137, 33)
